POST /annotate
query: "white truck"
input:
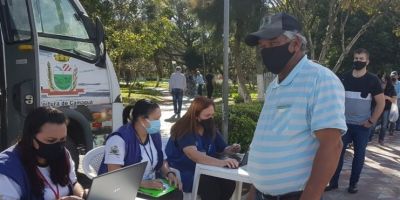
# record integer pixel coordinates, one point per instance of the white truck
(52, 54)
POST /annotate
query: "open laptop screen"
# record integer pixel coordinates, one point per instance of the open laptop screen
(121, 184)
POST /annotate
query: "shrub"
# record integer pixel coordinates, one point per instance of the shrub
(237, 98)
(242, 122)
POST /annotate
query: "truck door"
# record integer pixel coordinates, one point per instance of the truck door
(20, 74)
(3, 123)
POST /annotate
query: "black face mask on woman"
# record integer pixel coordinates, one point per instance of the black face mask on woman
(50, 151)
(208, 125)
(276, 58)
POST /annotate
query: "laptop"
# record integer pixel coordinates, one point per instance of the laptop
(241, 158)
(121, 184)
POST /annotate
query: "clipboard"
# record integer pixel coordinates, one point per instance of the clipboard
(158, 193)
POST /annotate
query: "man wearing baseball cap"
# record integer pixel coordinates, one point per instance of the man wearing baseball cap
(395, 79)
(297, 141)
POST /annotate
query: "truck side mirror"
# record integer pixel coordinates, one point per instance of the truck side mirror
(100, 43)
(90, 26)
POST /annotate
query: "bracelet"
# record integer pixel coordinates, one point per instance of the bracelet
(369, 121)
(170, 172)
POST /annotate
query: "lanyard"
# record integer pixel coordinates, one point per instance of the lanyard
(56, 194)
(150, 156)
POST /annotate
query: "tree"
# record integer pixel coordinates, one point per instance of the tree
(244, 16)
(312, 14)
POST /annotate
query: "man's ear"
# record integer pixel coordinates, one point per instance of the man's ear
(295, 45)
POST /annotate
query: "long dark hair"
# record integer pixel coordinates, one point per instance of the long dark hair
(142, 108)
(59, 168)
(126, 113)
(189, 123)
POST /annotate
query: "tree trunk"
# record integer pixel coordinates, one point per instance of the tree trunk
(242, 90)
(260, 77)
(159, 69)
(363, 29)
(330, 29)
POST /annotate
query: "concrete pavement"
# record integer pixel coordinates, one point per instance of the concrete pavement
(380, 178)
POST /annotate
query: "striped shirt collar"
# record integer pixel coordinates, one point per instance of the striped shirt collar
(291, 75)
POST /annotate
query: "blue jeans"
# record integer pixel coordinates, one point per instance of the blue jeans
(177, 95)
(384, 124)
(357, 134)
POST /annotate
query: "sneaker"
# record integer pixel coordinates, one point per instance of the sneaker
(352, 189)
(331, 187)
(381, 143)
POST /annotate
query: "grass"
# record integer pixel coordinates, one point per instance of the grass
(144, 90)
(138, 93)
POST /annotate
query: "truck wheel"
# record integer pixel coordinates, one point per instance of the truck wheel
(73, 150)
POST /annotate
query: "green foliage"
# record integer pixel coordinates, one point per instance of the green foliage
(138, 93)
(242, 122)
(237, 98)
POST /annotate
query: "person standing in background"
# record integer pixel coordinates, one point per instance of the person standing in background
(199, 82)
(209, 84)
(362, 87)
(395, 80)
(177, 85)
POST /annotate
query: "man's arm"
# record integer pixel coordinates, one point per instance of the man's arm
(380, 105)
(325, 163)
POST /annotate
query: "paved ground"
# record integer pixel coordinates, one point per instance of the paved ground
(380, 178)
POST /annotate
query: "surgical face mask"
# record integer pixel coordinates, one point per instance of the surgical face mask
(155, 126)
(276, 58)
(357, 65)
(50, 151)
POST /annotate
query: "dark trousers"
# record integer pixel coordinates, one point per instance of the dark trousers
(210, 89)
(177, 95)
(213, 188)
(398, 120)
(200, 89)
(384, 124)
(288, 196)
(359, 136)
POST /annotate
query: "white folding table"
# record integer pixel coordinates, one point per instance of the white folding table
(239, 175)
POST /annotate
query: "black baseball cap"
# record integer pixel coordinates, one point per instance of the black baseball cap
(272, 27)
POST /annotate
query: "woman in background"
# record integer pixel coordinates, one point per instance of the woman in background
(195, 139)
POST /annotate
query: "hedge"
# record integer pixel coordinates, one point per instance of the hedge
(242, 122)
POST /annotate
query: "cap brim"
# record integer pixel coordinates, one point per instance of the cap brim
(253, 38)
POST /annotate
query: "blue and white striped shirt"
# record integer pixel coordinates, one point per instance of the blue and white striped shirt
(281, 155)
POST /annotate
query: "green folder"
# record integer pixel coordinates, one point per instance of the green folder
(158, 193)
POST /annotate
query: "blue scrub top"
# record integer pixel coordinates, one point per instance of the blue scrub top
(178, 159)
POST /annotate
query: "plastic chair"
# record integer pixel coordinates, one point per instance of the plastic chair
(91, 161)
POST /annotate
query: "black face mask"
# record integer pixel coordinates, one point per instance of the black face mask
(208, 125)
(357, 65)
(50, 151)
(276, 58)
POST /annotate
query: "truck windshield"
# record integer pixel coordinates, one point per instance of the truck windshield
(59, 27)
(18, 27)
